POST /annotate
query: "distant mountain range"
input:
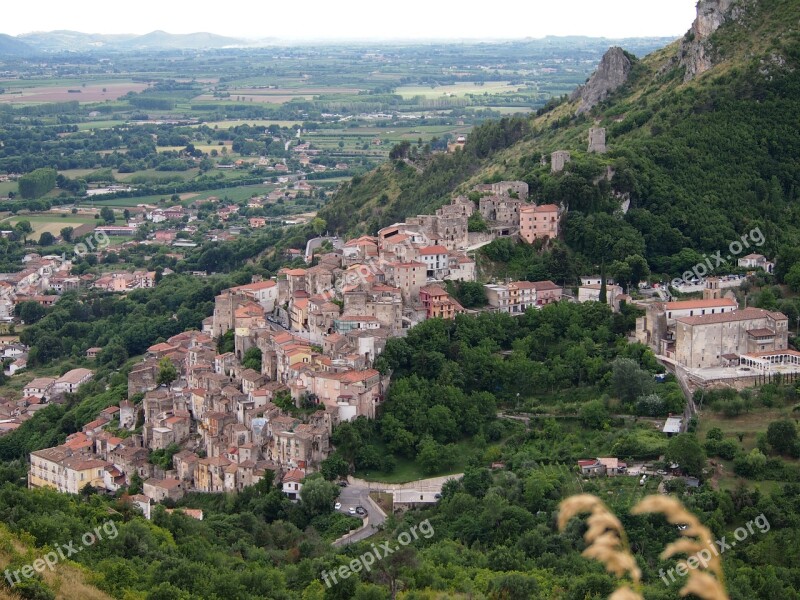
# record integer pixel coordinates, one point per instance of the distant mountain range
(11, 46)
(75, 41)
(46, 42)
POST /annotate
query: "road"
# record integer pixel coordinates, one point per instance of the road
(315, 243)
(357, 495)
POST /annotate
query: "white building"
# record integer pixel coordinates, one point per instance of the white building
(70, 381)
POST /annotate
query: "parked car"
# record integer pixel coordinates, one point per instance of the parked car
(360, 510)
(342, 483)
(351, 510)
(337, 506)
(661, 472)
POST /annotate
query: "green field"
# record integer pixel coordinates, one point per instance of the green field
(98, 125)
(251, 122)
(6, 187)
(52, 223)
(234, 194)
(458, 90)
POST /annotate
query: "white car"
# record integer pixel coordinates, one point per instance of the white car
(337, 506)
(351, 510)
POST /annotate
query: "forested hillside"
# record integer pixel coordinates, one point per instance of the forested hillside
(702, 162)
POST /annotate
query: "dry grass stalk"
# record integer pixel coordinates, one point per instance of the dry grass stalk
(606, 541)
(696, 538)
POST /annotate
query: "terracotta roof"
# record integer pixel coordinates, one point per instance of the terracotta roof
(772, 353)
(433, 290)
(167, 484)
(540, 208)
(354, 376)
(162, 347)
(705, 303)
(763, 332)
(429, 250)
(254, 287)
(732, 317)
(295, 475)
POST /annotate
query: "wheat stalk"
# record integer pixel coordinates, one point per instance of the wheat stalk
(695, 538)
(606, 539)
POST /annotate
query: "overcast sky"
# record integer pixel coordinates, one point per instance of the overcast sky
(348, 19)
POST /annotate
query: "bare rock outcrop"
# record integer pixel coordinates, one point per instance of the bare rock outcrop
(696, 53)
(611, 73)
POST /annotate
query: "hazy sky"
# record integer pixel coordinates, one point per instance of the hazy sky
(347, 19)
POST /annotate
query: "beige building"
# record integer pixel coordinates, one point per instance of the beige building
(716, 340)
(58, 468)
(70, 381)
(538, 222)
(409, 277)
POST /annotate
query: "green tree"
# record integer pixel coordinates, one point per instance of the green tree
(167, 373)
(594, 415)
(252, 359)
(37, 183)
(318, 495)
(334, 467)
(476, 223)
(30, 312)
(782, 436)
(47, 239)
(629, 381)
(24, 227)
(318, 225)
(107, 214)
(686, 451)
(66, 233)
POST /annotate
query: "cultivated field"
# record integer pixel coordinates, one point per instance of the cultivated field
(263, 98)
(52, 223)
(252, 122)
(90, 92)
(456, 90)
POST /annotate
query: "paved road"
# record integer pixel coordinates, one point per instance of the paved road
(357, 495)
(315, 243)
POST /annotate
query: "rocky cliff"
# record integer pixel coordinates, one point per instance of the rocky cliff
(696, 53)
(611, 73)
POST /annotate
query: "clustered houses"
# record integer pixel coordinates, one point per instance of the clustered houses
(318, 329)
(714, 332)
(505, 208)
(518, 296)
(39, 274)
(124, 281)
(219, 413)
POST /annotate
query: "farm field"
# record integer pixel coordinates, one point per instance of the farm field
(252, 122)
(91, 92)
(263, 98)
(155, 174)
(234, 194)
(202, 147)
(89, 125)
(6, 187)
(457, 89)
(52, 223)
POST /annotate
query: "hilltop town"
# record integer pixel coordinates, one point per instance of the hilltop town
(315, 331)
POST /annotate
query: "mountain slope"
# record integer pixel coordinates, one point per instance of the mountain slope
(704, 143)
(157, 40)
(11, 46)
